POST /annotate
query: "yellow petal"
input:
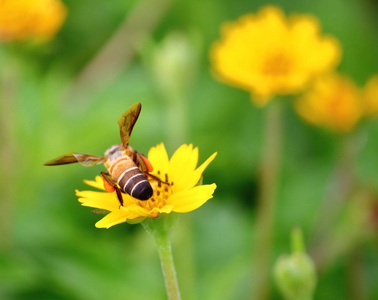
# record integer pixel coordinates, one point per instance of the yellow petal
(304, 28)
(143, 212)
(189, 200)
(270, 54)
(182, 167)
(159, 159)
(333, 102)
(112, 219)
(183, 161)
(138, 210)
(154, 213)
(24, 19)
(272, 21)
(191, 178)
(98, 183)
(370, 97)
(166, 209)
(99, 200)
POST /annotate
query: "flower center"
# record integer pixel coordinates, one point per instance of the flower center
(162, 190)
(276, 65)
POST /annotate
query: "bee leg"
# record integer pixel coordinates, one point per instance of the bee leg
(142, 162)
(110, 186)
(156, 178)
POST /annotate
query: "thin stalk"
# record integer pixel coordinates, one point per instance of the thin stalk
(160, 228)
(117, 53)
(355, 276)
(297, 244)
(267, 201)
(185, 258)
(177, 135)
(8, 94)
(176, 121)
(340, 187)
(167, 265)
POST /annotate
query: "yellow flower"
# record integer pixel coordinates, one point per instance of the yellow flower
(370, 97)
(333, 102)
(181, 195)
(270, 54)
(30, 19)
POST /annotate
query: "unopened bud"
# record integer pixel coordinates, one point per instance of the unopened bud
(295, 274)
(174, 63)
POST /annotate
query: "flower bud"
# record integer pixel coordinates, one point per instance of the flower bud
(295, 274)
(174, 63)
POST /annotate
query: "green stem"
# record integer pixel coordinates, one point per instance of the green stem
(297, 244)
(118, 52)
(9, 79)
(341, 185)
(167, 265)
(176, 121)
(355, 276)
(267, 201)
(160, 228)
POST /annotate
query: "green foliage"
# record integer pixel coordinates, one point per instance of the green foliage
(49, 246)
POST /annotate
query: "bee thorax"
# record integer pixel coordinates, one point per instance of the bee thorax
(114, 153)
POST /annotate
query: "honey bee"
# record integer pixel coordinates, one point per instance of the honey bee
(127, 168)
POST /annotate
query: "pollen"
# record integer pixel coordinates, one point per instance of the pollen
(277, 65)
(175, 189)
(162, 191)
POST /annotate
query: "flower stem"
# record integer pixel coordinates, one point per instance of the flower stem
(297, 244)
(117, 53)
(176, 121)
(267, 202)
(9, 81)
(160, 228)
(355, 276)
(342, 183)
(167, 265)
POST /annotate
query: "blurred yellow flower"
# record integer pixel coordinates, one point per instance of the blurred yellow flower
(181, 195)
(270, 54)
(30, 19)
(334, 102)
(370, 97)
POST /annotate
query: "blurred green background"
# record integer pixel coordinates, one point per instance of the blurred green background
(61, 97)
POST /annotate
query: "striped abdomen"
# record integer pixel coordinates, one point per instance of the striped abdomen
(130, 179)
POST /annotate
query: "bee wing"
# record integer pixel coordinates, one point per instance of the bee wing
(143, 163)
(127, 121)
(86, 160)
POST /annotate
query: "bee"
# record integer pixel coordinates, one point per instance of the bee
(127, 168)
